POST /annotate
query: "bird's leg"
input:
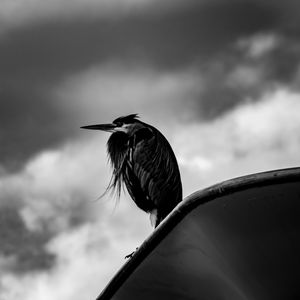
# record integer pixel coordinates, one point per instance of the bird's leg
(131, 254)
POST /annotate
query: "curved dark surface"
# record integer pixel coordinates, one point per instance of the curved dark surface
(239, 239)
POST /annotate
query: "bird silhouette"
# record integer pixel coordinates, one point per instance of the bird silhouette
(143, 160)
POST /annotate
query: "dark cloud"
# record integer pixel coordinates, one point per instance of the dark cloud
(165, 40)
(283, 62)
(30, 121)
(26, 247)
(36, 57)
(278, 66)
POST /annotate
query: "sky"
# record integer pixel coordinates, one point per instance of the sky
(219, 78)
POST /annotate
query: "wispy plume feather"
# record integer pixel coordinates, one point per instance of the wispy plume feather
(117, 149)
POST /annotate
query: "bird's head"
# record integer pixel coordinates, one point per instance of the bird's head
(124, 124)
(121, 129)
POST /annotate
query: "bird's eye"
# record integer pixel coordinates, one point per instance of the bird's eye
(119, 124)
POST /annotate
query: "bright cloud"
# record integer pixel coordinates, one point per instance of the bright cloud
(53, 182)
(58, 190)
(85, 263)
(251, 138)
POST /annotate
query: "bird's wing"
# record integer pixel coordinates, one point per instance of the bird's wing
(137, 168)
(151, 172)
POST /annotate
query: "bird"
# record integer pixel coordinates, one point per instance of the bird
(143, 160)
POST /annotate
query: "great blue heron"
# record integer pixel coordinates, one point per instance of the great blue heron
(142, 158)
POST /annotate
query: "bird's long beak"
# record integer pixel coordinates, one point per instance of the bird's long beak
(104, 127)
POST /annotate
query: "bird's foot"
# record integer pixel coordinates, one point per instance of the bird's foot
(131, 254)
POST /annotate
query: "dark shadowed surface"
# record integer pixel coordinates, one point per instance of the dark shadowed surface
(236, 240)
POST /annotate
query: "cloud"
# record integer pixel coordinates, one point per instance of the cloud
(53, 185)
(86, 260)
(219, 79)
(258, 45)
(21, 250)
(61, 40)
(54, 193)
(245, 76)
(42, 115)
(169, 38)
(30, 122)
(274, 52)
(98, 94)
(50, 195)
(173, 36)
(111, 90)
(253, 137)
(23, 12)
(68, 234)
